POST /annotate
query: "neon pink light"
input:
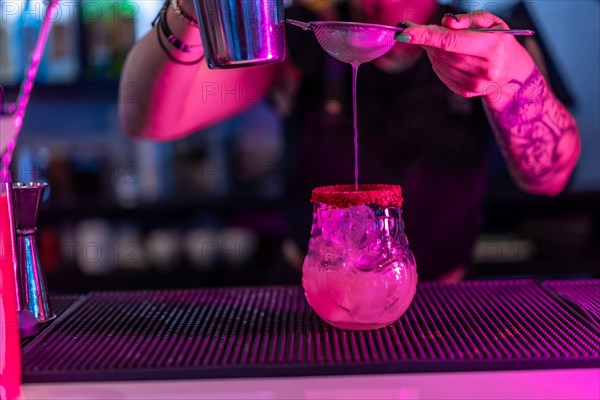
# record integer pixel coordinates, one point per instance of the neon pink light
(18, 123)
(269, 48)
(27, 86)
(10, 349)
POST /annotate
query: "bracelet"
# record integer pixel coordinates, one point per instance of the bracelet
(162, 45)
(174, 40)
(160, 17)
(182, 14)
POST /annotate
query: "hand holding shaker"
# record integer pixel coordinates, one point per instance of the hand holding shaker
(241, 33)
(10, 344)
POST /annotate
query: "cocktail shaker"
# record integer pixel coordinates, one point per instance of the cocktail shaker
(241, 33)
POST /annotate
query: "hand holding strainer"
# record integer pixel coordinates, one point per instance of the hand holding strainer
(351, 42)
(358, 43)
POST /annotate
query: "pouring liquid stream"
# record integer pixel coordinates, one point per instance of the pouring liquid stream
(355, 66)
(357, 43)
(354, 44)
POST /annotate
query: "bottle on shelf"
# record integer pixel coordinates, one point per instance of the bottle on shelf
(11, 62)
(109, 33)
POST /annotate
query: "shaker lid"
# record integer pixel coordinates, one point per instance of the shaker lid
(343, 196)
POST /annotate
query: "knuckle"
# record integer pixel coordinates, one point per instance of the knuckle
(426, 38)
(449, 41)
(480, 87)
(471, 90)
(491, 72)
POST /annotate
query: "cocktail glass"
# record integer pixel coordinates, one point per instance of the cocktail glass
(359, 272)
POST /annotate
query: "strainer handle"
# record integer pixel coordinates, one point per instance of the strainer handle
(514, 32)
(304, 25)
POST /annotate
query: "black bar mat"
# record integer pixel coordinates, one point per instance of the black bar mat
(271, 331)
(58, 304)
(584, 296)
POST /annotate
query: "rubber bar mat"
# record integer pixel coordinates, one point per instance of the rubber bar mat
(584, 296)
(58, 304)
(271, 331)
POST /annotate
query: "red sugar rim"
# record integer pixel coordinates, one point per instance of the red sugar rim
(343, 196)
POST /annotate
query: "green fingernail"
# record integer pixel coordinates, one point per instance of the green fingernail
(403, 37)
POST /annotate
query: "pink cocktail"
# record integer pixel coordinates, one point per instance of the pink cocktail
(10, 344)
(359, 272)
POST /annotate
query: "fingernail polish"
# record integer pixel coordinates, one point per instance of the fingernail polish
(402, 25)
(452, 15)
(403, 37)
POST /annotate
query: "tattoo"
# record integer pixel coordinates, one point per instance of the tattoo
(536, 133)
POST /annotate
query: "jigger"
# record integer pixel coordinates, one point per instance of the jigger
(32, 292)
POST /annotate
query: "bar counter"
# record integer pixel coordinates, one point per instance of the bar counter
(476, 339)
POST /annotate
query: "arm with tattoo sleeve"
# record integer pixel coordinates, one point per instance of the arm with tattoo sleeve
(537, 135)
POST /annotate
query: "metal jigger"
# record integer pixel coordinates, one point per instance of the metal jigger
(32, 292)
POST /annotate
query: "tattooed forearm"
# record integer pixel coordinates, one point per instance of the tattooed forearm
(538, 137)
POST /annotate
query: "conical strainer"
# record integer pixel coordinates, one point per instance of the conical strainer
(350, 42)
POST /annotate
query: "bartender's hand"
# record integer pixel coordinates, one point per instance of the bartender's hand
(473, 63)
(162, 99)
(538, 136)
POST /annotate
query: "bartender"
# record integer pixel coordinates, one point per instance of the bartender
(427, 110)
